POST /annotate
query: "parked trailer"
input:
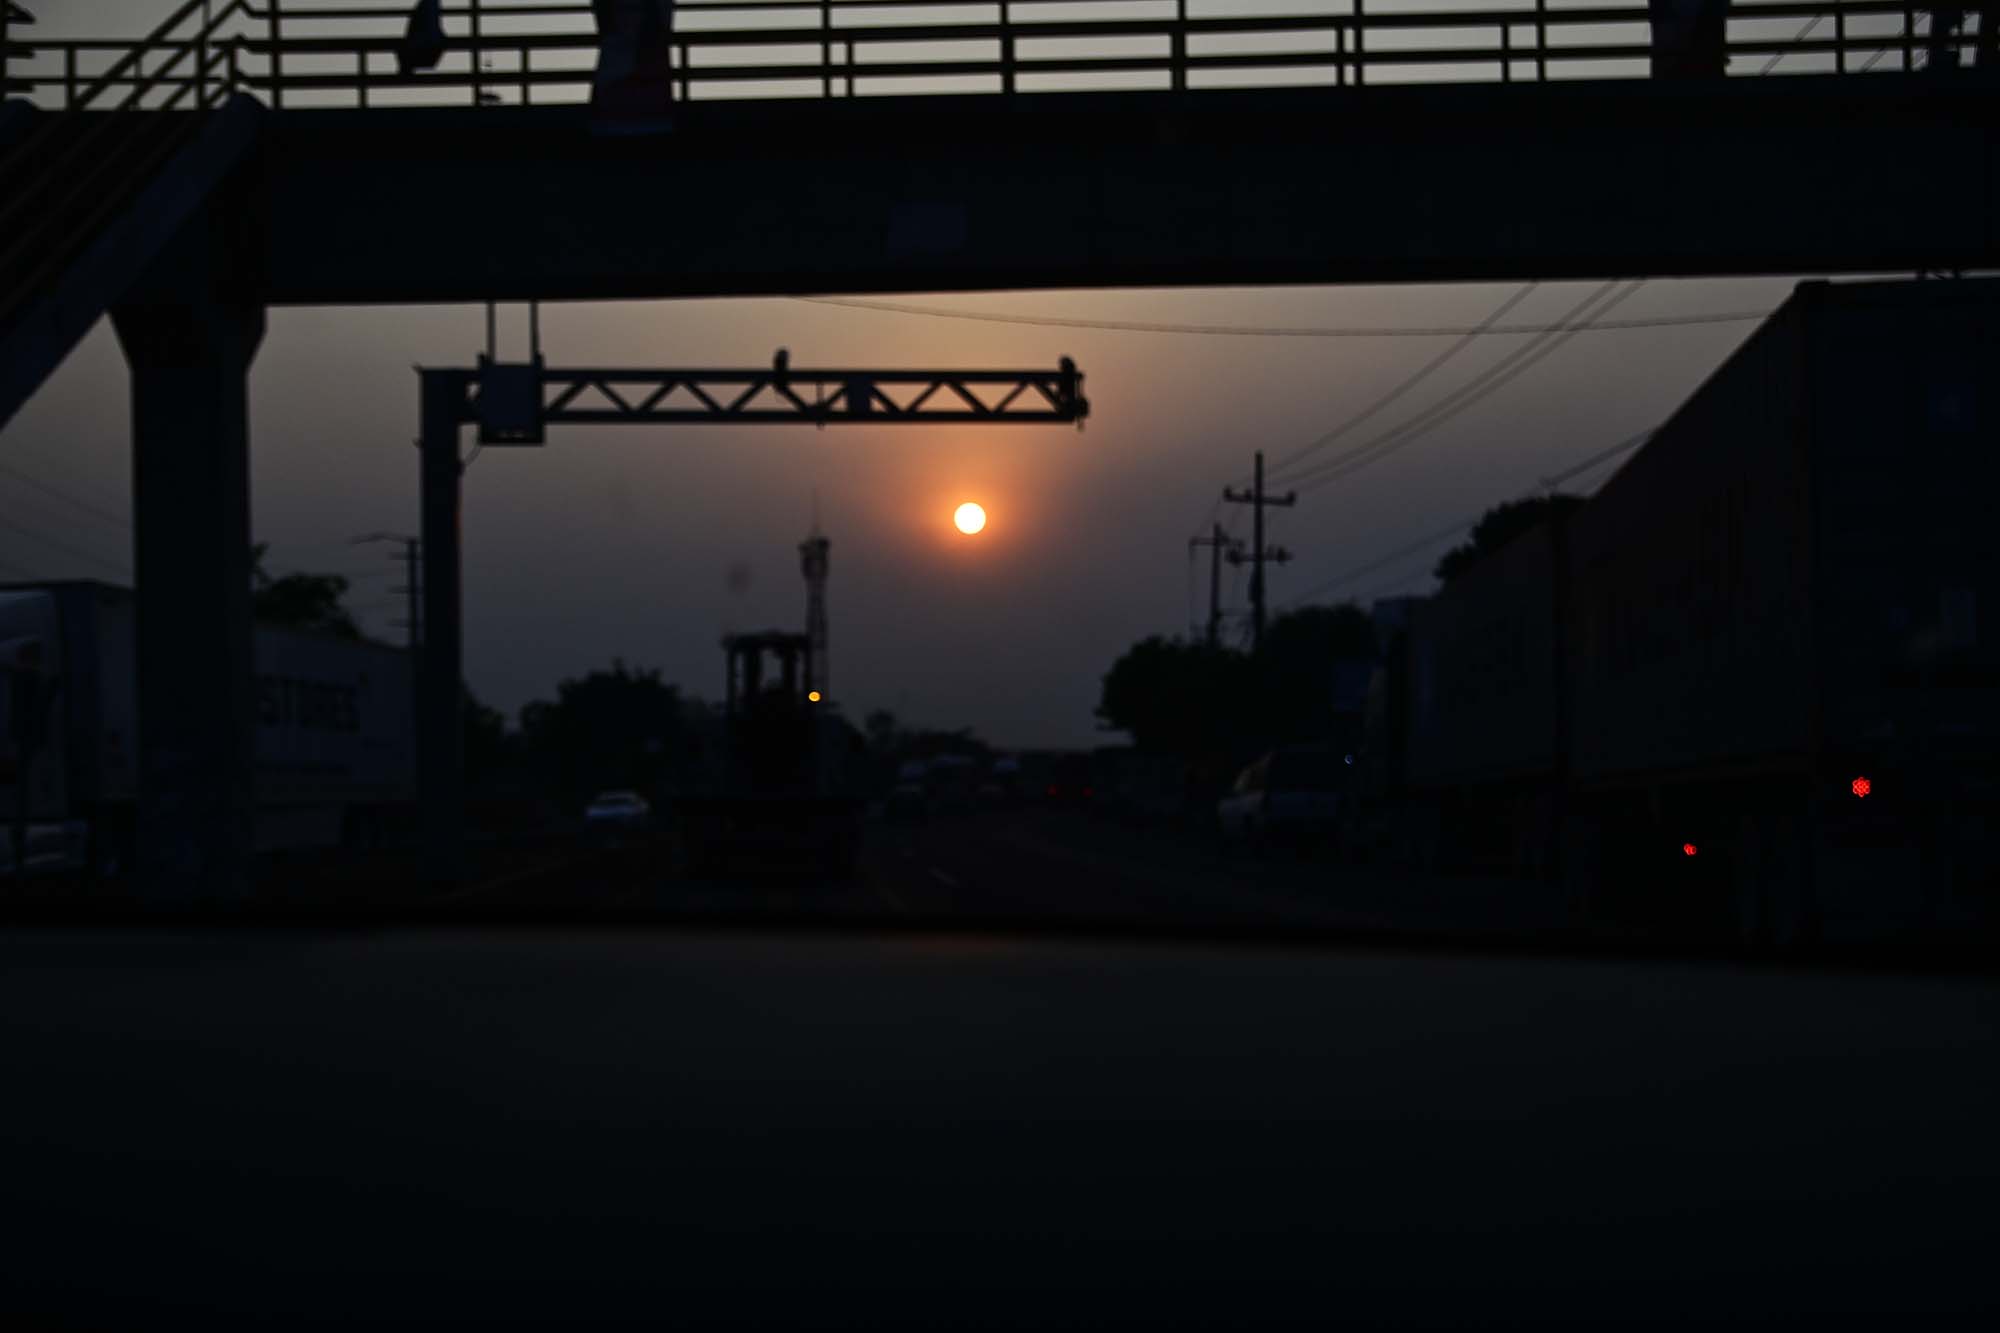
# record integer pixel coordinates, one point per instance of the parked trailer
(1746, 686)
(1480, 747)
(1781, 684)
(334, 755)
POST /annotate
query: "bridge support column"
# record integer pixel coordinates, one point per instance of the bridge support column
(190, 343)
(440, 679)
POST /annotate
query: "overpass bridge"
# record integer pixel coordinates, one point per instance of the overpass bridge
(241, 156)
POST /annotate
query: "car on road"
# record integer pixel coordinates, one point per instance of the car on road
(909, 798)
(1291, 795)
(952, 784)
(617, 809)
(1002, 786)
(1070, 782)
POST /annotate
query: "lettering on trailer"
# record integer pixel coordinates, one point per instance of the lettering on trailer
(308, 704)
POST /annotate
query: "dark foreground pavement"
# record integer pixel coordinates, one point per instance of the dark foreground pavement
(953, 1130)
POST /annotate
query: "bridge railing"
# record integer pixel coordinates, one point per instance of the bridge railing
(294, 53)
(67, 175)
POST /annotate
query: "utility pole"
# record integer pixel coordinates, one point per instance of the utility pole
(1260, 555)
(1216, 544)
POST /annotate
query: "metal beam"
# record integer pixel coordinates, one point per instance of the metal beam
(781, 394)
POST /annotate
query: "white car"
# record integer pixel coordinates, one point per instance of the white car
(1290, 795)
(617, 809)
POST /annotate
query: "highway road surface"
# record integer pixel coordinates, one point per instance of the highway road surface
(953, 1129)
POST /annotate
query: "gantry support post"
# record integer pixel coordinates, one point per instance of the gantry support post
(440, 756)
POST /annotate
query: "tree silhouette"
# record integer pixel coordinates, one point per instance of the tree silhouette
(1215, 708)
(1500, 525)
(1177, 698)
(1298, 670)
(299, 601)
(621, 728)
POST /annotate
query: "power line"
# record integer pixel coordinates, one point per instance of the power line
(52, 543)
(1575, 469)
(1360, 452)
(1578, 469)
(1472, 391)
(1460, 400)
(1274, 331)
(1568, 326)
(86, 507)
(1400, 553)
(1430, 367)
(1493, 380)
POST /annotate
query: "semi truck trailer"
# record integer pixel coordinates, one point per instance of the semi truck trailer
(1753, 683)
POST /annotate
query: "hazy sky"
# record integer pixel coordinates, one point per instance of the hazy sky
(618, 541)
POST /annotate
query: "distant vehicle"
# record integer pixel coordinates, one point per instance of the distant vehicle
(1069, 781)
(1003, 782)
(1292, 796)
(617, 809)
(908, 798)
(952, 784)
(1138, 787)
(334, 762)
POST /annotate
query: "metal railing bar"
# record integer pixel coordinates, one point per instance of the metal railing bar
(808, 64)
(77, 234)
(1047, 29)
(129, 83)
(37, 144)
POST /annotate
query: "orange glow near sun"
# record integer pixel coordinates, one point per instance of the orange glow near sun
(969, 517)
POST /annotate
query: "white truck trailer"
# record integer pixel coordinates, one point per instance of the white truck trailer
(335, 758)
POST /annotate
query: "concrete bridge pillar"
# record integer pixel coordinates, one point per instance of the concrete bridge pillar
(189, 340)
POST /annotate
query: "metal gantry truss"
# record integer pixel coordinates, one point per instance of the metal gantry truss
(512, 403)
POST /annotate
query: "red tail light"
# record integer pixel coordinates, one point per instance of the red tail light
(1687, 849)
(1861, 787)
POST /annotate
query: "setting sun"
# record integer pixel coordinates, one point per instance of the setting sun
(970, 518)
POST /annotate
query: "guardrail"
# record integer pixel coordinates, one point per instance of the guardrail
(330, 55)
